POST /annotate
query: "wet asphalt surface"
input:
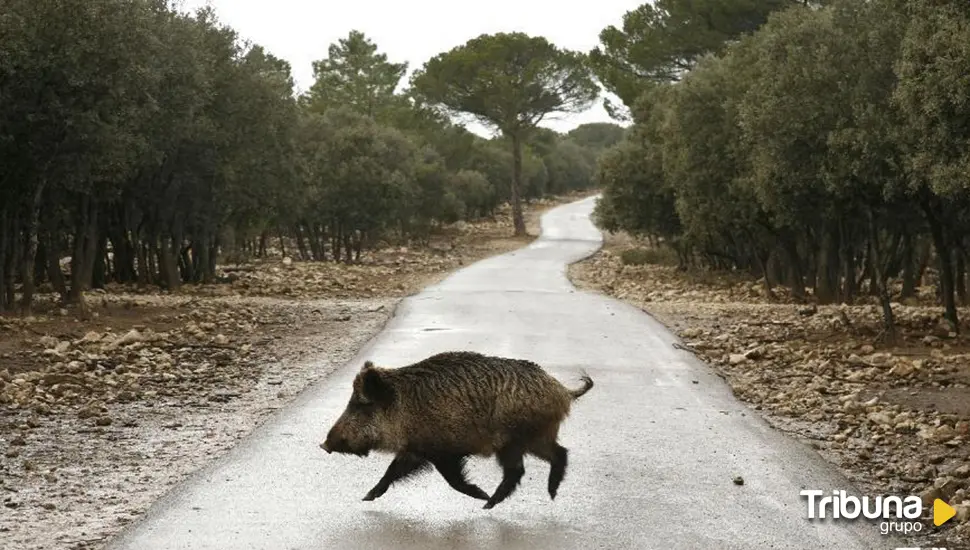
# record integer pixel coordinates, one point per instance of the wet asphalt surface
(654, 446)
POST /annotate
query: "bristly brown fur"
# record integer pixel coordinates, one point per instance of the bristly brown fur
(453, 405)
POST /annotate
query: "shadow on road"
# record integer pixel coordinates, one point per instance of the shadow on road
(488, 531)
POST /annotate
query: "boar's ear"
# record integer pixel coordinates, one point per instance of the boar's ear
(374, 386)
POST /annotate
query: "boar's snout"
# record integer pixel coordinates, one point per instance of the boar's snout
(337, 443)
(334, 443)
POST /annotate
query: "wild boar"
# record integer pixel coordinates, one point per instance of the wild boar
(453, 405)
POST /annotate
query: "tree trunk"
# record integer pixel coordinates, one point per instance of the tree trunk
(315, 242)
(961, 275)
(763, 260)
(880, 280)
(145, 273)
(908, 267)
(99, 260)
(5, 236)
(358, 246)
(124, 256)
(827, 272)
(82, 261)
(168, 263)
(53, 260)
(335, 241)
(933, 218)
(873, 273)
(212, 258)
(348, 249)
(201, 251)
(776, 271)
(924, 255)
(301, 243)
(76, 293)
(813, 250)
(847, 264)
(517, 219)
(91, 244)
(188, 260)
(30, 250)
(796, 279)
(40, 260)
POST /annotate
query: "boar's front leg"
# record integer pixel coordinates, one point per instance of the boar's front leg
(452, 468)
(403, 465)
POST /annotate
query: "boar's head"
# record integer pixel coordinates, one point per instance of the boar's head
(365, 424)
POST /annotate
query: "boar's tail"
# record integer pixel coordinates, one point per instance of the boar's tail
(587, 385)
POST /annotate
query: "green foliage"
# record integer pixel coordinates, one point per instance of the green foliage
(147, 144)
(933, 93)
(357, 77)
(597, 136)
(473, 190)
(508, 81)
(637, 196)
(662, 40)
(570, 168)
(819, 151)
(366, 170)
(705, 153)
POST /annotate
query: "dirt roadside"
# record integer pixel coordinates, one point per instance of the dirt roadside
(99, 418)
(895, 419)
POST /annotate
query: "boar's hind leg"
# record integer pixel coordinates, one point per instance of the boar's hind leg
(546, 447)
(452, 468)
(557, 456)
(510, 458)
(403, 465)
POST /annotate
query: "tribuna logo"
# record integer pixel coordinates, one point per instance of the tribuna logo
(842, 505)
(899, 514)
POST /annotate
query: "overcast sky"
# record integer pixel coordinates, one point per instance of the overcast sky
(300, 31)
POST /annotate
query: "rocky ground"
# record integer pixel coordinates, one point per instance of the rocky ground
(894, 418)
(98, 418)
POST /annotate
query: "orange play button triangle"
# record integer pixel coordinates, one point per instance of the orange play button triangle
(942, 512)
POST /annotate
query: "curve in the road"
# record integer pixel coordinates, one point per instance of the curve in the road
(654, 446)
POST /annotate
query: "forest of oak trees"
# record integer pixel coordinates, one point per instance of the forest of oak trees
(140, 144)
(822, 146)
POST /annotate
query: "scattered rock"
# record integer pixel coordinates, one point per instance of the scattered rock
(895, 418)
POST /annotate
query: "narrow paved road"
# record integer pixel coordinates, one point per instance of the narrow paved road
(653, 453)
